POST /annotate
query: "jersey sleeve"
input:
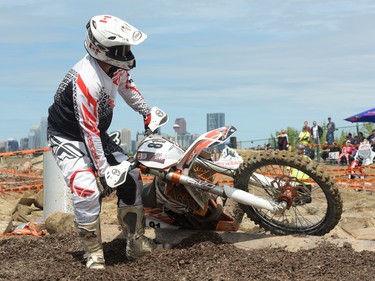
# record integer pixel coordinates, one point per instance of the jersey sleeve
(87, 116)
(131, 95)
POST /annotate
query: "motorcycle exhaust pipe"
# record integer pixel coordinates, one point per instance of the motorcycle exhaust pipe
(246, 198)
(237, 195)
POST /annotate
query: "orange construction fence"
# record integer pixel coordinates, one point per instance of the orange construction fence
(23, 152)
(361, 177)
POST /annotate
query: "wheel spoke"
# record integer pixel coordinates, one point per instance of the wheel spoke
(314, 204)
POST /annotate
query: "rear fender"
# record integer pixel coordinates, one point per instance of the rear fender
(211, 138)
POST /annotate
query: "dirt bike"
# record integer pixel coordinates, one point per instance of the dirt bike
(282, 192)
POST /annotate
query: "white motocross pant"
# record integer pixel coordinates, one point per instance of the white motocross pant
(79, 174)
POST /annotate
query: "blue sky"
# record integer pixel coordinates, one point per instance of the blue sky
(266, 64)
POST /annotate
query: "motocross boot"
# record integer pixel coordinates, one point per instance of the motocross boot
(92, 243)
(131, 219)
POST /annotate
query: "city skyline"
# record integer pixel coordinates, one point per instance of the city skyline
(37, 135)
(245, 143)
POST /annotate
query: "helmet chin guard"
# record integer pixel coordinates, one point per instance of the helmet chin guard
(109, 39)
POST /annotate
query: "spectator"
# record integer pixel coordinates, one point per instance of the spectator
(356, 141)
(304, 139)
(305, 189)
(325, 151)
(347, 152)
(331, 128)
(306, 124)
(304, 136)
(361, 137)
(349, 137)
(316, 133)
(301, 149)
(283, 141)
(372, 136)
(364, 153)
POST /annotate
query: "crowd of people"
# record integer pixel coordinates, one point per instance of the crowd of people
(310, 139)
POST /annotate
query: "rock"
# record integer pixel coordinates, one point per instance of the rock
(23, 210)
(35, 216)
(6, 224)
(8, 207)
(28, 194)
(39, 200)
(59, 222)
(27, 201)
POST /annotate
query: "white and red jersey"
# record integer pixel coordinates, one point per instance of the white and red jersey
(84, 102)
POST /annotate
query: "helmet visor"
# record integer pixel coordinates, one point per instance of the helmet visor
(121, 53)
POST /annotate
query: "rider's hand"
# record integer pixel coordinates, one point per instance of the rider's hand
(106, 189)
(146, 121)
(116, 175)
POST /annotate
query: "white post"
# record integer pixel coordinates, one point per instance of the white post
(57, 196)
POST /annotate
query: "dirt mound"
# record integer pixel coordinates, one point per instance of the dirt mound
(203, 256)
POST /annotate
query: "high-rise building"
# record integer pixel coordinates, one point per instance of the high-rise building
(215, 120)
(126, 140)
(12, 145)
(24, 143)
(34, 137)
(43, 133)
(181, 128)
(2, 146)
(139, 138)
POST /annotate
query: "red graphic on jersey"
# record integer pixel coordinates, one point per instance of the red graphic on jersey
(89, 112)
(82, 86)
(111, 103)
(92, 149)
(89, 120)
(116, 76)
(129, 84)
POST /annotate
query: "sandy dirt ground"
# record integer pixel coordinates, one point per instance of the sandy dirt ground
(346, 253)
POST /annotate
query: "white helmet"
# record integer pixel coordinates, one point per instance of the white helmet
(109, 38)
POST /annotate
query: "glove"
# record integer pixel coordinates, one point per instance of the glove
(106, 189)
(147, 121)
(116, 175)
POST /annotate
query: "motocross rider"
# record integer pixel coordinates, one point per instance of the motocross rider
(78, 121)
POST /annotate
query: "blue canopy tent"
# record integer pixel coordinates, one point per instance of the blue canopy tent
(365, 116)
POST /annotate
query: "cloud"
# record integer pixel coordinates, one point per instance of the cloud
(277, 62)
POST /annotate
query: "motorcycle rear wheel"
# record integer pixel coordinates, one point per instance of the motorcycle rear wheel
(315, 206)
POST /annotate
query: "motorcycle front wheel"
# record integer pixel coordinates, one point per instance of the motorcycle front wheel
(314, 203)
